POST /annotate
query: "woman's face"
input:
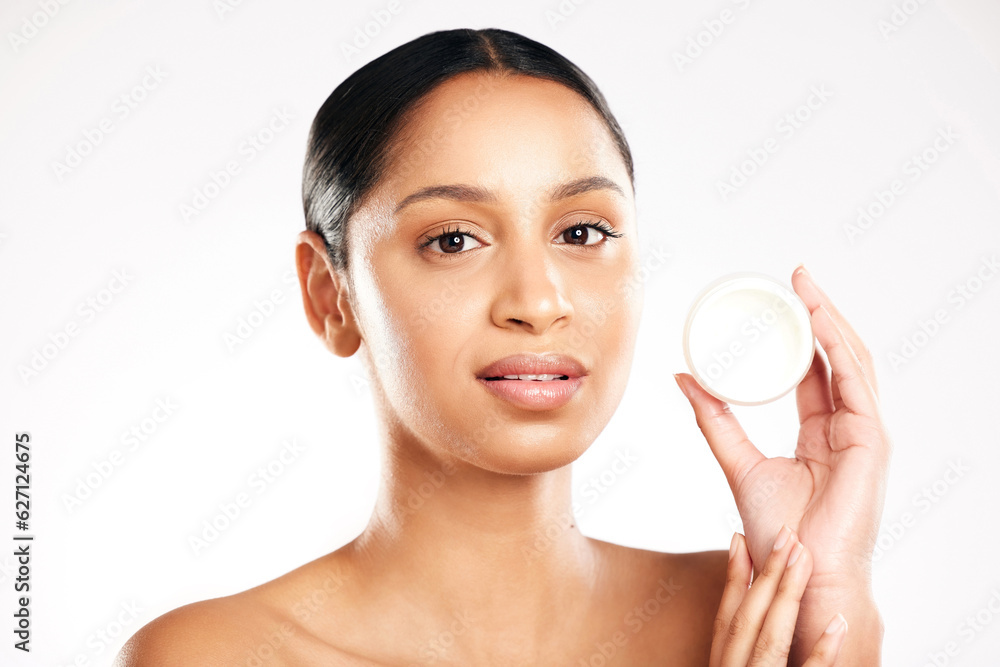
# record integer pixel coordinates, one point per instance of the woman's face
(513, 273)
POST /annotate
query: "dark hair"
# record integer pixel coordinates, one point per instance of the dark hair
(351, 138)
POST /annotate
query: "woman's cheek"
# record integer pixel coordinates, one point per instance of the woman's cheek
(437, 305)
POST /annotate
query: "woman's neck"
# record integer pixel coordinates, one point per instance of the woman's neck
(466, 538)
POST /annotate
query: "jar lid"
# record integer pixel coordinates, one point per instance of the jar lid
(748, 339)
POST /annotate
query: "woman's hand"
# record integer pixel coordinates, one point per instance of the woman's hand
(832, 492)
(755, 626)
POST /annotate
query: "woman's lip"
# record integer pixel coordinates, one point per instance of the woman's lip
(534, 394)
(534, 364)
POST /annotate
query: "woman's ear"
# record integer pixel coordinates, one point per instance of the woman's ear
(325, 296)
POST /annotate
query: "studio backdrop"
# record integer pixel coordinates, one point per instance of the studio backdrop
(189, 437)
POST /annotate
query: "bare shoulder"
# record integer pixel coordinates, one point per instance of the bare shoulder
(697, 578)
(676, 597)
(207, 632)
(274, 623)
(705, 573)
(703, 576)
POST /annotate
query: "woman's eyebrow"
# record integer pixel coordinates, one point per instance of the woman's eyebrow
(472, 193)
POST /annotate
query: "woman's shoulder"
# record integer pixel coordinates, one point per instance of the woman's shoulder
(703, 571)
(203, 632)
(674, 598)
(267, 624)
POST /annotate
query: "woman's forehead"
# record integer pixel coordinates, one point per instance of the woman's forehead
(488, 107)
(517, 133)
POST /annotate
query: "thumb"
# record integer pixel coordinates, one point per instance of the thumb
(727, 439)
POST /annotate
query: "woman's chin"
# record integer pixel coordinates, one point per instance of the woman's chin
(518, 456)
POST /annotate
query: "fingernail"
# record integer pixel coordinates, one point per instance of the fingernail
(680, 383)
(795, 554)
(782, 537)
(732, 545)
(836, 624)
(801, 269)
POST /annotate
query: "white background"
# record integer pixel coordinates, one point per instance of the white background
(190, 282)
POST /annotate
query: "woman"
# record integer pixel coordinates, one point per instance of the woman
(471, 231)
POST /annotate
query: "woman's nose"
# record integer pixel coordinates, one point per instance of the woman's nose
(531, 294)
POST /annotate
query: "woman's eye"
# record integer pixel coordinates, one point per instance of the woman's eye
(581, 234)
(450, 242)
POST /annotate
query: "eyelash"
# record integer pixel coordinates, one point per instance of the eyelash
(600, 226)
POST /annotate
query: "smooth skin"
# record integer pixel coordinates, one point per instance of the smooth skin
(485, 564)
